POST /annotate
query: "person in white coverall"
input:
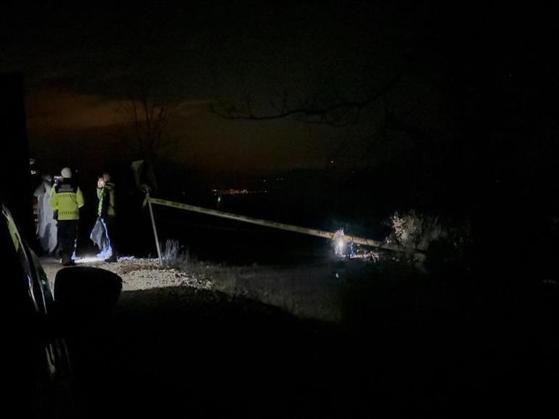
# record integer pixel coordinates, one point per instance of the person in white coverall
(46, 224)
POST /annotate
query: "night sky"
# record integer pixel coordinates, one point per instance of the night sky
(81, 62)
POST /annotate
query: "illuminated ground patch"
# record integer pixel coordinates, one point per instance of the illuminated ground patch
(137, 274)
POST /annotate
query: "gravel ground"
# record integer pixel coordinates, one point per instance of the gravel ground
(308, 292)
(137, 274)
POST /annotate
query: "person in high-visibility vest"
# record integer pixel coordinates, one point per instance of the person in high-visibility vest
(66, 200)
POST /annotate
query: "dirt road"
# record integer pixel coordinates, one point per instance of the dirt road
(405, 349)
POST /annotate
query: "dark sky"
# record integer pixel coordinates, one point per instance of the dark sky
(80, 60)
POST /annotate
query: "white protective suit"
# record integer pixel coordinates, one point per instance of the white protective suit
(46, 224)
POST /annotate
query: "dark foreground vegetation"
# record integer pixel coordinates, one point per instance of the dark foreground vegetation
(408, 345)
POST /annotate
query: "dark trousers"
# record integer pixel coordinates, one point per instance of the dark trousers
(67, 237)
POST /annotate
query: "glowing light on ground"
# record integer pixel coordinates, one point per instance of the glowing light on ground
(88, 260)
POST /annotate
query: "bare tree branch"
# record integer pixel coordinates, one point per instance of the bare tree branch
(340, 112)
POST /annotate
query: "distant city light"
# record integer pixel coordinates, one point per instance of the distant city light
(235, 191)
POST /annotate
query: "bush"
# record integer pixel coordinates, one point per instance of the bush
(427, 241)
(415, 231)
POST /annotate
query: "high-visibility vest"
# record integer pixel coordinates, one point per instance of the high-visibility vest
(106, 197)
(66, 200)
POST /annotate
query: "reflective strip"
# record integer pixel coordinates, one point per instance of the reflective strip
(64, 188)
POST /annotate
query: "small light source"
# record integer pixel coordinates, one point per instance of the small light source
(340, 242)
(340, 247)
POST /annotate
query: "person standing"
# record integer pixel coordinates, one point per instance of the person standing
(106, 211)
(46, 224)
(66, 201)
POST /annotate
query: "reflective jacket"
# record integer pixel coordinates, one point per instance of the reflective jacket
(66, 200)
(106, 196)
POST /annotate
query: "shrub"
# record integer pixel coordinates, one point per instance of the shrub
(429, 242)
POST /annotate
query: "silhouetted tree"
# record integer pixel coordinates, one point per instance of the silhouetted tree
(146, 131)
